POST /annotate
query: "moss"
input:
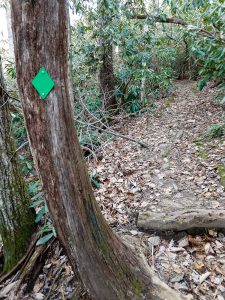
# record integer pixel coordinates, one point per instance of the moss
(17, 222)
(137, 287)
(194, 88)
(98, 227)
(221, 172)
(202, 154)
(16, 240)
(199, 143)
(169, 101)
(166, 153)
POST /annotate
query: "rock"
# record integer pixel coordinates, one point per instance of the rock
(152, 185)
(4, 292)
(179, 134)
(177, 278)
(134, 232)
(212, 232)
(154, 241)
(183, 242)
(39, 296)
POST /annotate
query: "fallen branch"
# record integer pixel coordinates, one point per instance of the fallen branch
(34, 266)
(182, 219)
(108, 130)
(8, 95)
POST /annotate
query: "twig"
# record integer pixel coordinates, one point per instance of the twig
(8, 95)
(62, 292)
(153, 260)
(144, 145)
(54, 281)
(21, 146)
(108, 130)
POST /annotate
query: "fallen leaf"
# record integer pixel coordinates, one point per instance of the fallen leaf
(204, 276)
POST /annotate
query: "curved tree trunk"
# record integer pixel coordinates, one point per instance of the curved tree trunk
(16, 218)
(108, 268)
(106, 73)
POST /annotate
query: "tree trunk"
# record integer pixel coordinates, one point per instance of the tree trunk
(16, 218)
(109, 268)
(106, 73)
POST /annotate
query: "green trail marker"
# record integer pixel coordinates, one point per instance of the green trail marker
(43, 83)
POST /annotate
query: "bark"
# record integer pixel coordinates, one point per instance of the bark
(106, 73)
(107, 78)
(16, 218)
(182, 220)
(109, 268)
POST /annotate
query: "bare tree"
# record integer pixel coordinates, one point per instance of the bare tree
(109, 268)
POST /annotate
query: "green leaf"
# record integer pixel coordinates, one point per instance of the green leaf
(45, 239)
(40, 214)
(33, 187)
(47, 228)
(223, 100)
(163, 17)
(37, 196)
(36, 203)
(201, 84)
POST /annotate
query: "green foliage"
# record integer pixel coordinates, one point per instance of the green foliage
(205, 35)
(33, 187)
(90, 139)
(44, 239)
(221, 173)
(96, 183)
(140, 56)
(10, 69)
(47, 230)
(19, 129)
(220, 97)
(214, 131)
(27, 166)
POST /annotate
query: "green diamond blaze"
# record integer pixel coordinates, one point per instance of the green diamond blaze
(43, 83)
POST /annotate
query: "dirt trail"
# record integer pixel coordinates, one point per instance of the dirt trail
(176, 172)
(185, 172)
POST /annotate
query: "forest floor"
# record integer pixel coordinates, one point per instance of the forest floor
(181, 169)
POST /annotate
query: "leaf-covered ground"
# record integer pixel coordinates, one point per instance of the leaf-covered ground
(180, 169)
(183, 168)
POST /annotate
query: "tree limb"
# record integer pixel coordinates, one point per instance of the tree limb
(177, 21)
